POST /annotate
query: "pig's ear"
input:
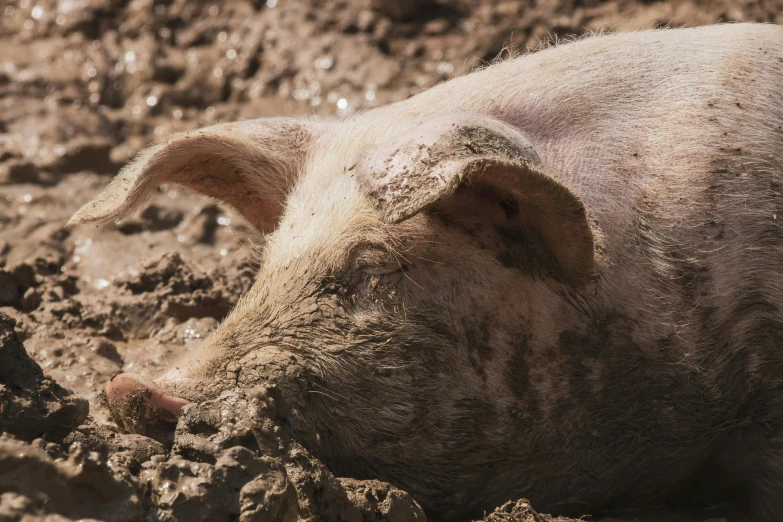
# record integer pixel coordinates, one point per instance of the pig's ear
(481, 170)
(250, 165)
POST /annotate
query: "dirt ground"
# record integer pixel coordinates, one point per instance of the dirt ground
(84, 85)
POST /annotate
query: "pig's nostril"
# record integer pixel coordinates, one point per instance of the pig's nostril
(141, 406)
(124, 385)
(162, 430)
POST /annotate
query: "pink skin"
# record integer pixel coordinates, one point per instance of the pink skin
(125, 384)
(670, 354)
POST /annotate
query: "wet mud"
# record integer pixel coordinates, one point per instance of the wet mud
(84, 85)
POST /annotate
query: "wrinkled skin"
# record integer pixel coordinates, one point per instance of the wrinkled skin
(557, 278)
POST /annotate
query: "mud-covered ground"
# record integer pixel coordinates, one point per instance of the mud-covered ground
(84, 85)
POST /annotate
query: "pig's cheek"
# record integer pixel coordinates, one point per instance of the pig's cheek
(195, 376)
(365, 286)
(192, 390)
(369, 291)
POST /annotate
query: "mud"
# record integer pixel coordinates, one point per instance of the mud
(32, 405)
(84, 85)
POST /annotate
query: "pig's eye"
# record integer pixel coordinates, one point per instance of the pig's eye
(377, 277)
(389, 274)
(383, 270)
(377, 267)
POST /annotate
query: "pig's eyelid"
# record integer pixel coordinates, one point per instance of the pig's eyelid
(368, 255)
(383, 270)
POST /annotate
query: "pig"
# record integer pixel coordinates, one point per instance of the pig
(559, 277)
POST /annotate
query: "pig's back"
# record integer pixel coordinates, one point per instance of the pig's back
(680, 160)
(673, 139)
(641, 120)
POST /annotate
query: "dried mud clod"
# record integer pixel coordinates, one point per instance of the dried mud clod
(124, 453)
(520, 511)
(168, 287)
(80, 486)
(381, 501)
(239, 485)
(234, 457)
(31, 405)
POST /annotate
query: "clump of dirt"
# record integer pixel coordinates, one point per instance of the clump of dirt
(76, 484)
(233, 458)
(84, 85)
(181, 291)
(32, 405)
(381, 501)
(252, 467)
(519, 511)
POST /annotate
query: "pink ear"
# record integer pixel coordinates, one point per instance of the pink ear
(250, 165)
(431, 162)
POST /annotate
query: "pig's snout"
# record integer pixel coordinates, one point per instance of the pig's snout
(141, 406)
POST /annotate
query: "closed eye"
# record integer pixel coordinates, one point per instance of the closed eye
(377, 266)
(384, 270)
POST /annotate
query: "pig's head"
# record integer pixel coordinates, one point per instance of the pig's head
(404, 275)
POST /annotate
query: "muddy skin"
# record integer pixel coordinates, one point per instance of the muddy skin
(142, 295)
(460, 427)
